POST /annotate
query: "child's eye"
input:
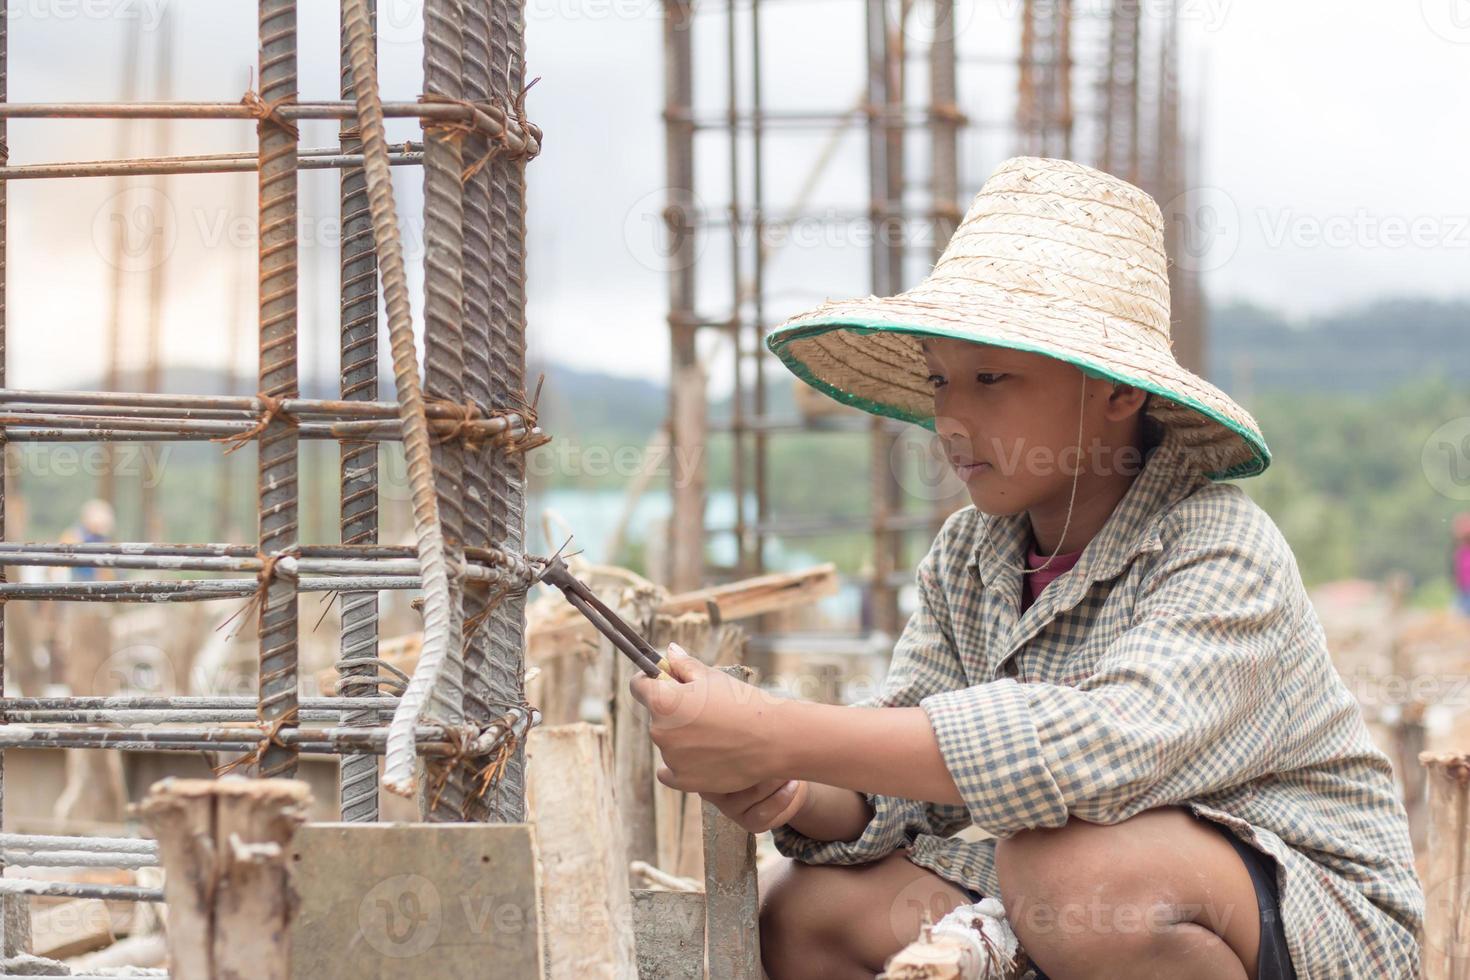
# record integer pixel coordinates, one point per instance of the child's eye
(936, 380)
(989, 377)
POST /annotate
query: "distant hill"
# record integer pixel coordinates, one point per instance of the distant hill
(1371, 348)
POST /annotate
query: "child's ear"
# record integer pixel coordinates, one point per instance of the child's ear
(1125, 401)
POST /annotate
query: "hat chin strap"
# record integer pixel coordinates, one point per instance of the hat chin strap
(1071, 500)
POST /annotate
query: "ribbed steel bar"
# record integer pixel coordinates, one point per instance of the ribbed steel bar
(130, 716)
(79, 889)
(277, 445)
(57, 842)
(399, 769)
(249, 405)
(431, 739)
(182, 703)
(477, 315)
(444, 348)
(6, 946)
(518, 138)
(358, 461)
(39, 427)
(211, 163)
(505, 670)
(198, 590)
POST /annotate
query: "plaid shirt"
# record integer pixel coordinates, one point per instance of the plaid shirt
(1179, 662)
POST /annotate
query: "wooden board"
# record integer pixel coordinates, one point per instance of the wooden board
(670, 931)
(380, 901)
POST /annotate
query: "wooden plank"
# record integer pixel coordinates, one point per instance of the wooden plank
(1447, 877)
(223, 849)
(72, 928)
(761, 594)
(583, 852)
(670, 930)
(380, 901)
(732, 923)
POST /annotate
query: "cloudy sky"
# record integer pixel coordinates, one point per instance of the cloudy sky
(1333, 141)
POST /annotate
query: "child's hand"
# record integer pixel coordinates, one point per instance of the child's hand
(716, 733)
(764, 805)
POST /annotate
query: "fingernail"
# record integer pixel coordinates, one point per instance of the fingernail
(677, 650)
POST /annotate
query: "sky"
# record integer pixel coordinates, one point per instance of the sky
(1333, 142)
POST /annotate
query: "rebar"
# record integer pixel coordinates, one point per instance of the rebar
(358, 461)
(504, 670)
(208, 163)
(277, 444)
(399, 775)
(444, 349)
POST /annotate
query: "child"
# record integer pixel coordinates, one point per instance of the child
(1112, 668)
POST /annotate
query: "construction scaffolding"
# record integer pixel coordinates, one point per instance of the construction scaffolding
(1079, 92)
(453, 732)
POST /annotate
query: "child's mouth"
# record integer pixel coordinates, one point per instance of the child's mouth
(967, 470)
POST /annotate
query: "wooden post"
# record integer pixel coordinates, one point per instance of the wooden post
(223, 845)
(584, 865)
(731, 919)
(1447, 878)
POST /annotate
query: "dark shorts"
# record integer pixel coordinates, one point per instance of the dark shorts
(1273, 962)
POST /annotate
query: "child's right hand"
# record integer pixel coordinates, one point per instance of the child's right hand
(763, 806)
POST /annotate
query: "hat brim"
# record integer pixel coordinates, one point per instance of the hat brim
(866, 357)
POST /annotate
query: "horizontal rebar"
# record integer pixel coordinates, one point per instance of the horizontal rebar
(79, 859)
(79, 889)
(431, 739)
(211, 163)
(181, 703)
(57, 842)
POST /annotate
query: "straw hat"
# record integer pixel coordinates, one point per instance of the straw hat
(1052, 257)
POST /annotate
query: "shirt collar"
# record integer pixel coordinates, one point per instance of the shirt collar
(1132, 528)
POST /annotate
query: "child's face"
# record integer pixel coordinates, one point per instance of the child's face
(1009, 423)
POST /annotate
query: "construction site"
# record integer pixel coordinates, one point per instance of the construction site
(373, 719)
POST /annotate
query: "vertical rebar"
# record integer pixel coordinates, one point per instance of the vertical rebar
(399, 767)
(149, 521)
(444, 348)
(358, 461)
(478, 697)
(276, 485)
(506, 181)
(885, 196)
(686, 384)
(4, 333)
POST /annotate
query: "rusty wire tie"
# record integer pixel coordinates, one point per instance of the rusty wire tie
(266, 574)
(271, 730)
(269, 111)
(498, 133)
(273, 409)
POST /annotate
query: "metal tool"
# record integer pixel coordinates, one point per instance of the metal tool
(607, 622)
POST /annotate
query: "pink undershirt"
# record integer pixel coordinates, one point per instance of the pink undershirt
(1034, 582)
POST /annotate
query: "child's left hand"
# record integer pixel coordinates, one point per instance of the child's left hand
(717, 734)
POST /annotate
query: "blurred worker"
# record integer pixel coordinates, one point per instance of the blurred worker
(1460, 563)
(95, 524)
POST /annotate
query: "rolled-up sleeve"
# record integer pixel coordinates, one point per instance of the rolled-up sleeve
(924, 662)
(1178, 705)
